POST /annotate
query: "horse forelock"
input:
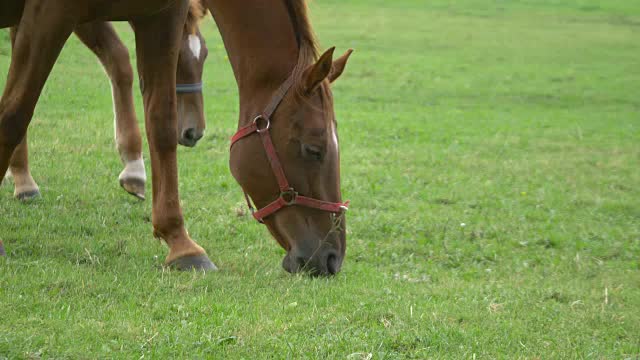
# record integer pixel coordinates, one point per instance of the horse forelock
(196, 13)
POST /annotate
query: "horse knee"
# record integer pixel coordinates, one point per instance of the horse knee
(162, 132)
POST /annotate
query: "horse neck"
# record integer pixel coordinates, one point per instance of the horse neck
(261, 45)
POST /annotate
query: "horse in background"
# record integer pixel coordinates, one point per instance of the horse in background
(101, 38)
(285, 155)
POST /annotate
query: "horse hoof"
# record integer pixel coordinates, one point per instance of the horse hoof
(195, 262)
(134, 187)
(28, 195)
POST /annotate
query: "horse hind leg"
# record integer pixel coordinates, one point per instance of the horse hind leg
(35, 50)
(25, 187)
(102, 39)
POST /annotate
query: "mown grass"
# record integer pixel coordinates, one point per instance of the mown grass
(491, 152)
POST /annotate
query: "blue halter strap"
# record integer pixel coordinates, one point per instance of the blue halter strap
(188, 88)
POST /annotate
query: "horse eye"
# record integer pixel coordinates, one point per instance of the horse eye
(312, 152)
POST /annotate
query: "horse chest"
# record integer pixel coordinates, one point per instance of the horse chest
(123, 10)
(10, 12)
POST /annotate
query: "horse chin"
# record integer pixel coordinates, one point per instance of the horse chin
(326, 265)
(321, 259)
(187, 143)
(309, 250)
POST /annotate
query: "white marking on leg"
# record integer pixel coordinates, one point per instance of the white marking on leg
(7, 176)
(195, 45)
(134, 169)
(113, 103)
(115, 115)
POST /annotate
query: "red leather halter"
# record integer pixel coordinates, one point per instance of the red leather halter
(288, 195)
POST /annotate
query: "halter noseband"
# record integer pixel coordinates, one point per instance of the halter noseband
(288, 195)
(189, 88)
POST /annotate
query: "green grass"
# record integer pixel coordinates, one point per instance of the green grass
(518, 119)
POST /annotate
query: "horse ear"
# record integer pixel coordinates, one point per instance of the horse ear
(338, 66)
(319, 71)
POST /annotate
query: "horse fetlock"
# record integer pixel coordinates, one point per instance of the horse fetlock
(180, 244)
(170, 229)
(163, 136)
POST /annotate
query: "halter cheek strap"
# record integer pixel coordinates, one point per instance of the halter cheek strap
(288, 195)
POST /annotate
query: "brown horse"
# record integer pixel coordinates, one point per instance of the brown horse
(101, 38)
(285, 155)
(291, 170)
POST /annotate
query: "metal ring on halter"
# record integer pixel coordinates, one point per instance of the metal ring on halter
(266, 126)
(289, 196)
(188, 88)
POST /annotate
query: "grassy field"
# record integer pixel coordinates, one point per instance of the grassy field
(491, 151)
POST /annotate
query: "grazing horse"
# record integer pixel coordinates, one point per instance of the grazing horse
(285, 154)
(100, 37)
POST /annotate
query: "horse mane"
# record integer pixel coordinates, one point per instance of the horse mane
(299, 14)
(308, 52)
(306, 38)
(196, 13)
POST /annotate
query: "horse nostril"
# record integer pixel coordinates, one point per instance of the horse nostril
(325, 264)
(189, 134)
(333, 265)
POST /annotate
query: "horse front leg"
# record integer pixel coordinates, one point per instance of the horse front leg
(157, 41)
(102, 39)
(25, 187)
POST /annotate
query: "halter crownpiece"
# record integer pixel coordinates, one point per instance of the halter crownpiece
(288, 195)
(189, 88)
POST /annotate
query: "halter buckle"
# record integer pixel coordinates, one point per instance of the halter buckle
(267, 124)
(289, 196)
